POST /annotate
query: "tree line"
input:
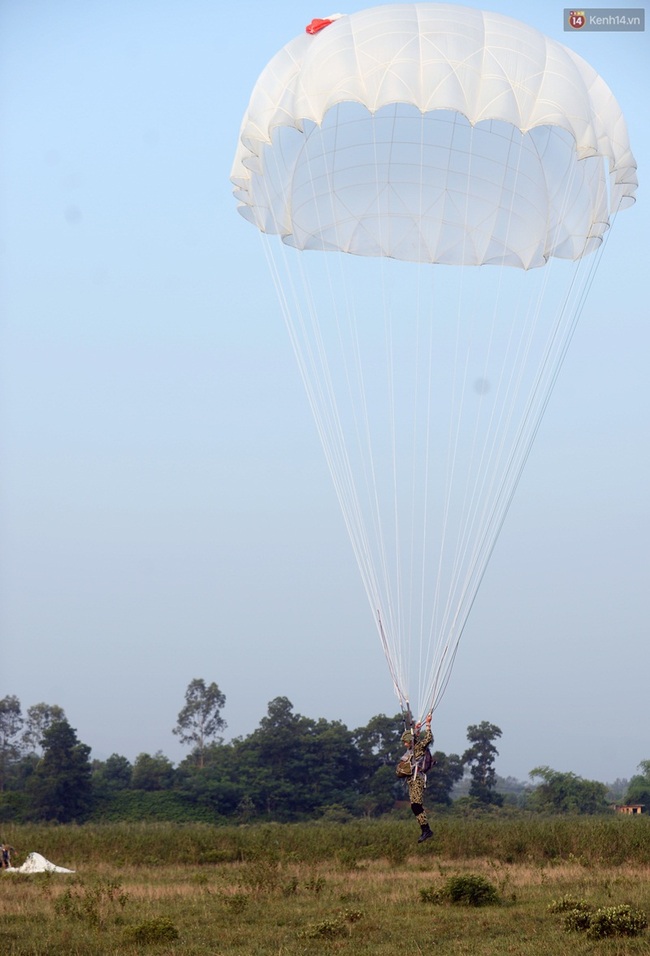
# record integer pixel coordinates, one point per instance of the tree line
(289, 768)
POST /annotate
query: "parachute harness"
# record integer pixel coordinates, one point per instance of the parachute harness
(412, 728)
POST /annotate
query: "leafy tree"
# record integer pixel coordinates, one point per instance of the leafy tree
(638, 790)
(514, 792)
(218, 785)
(617, 790)
(61, 785)
(331, 764)
(566, 793)
(39, 718)
(152, 772)
(11, 722)
(20, 771)
(118, 772)
(289, 768)
(380, 792)
(277, 735)
(292, 767)
(270, 762)
(379, 743)
(200, 719)
(379, 747)
(480, 756)
(112, 775)
(442, 778)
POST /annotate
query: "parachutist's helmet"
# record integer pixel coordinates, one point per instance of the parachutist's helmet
(407, 737)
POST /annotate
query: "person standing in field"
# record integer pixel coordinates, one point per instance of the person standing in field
(5, 853)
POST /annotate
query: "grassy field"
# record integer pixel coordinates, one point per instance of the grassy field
(306, 889)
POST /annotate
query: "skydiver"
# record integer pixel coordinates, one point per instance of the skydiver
(417, 779)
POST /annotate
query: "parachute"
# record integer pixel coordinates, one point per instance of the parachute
(434, 186)
(36, 863)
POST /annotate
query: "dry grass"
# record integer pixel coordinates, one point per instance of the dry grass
(289, 909)
(309, 891)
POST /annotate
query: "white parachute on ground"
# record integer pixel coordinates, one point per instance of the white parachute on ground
(442, 180)
(35, 863)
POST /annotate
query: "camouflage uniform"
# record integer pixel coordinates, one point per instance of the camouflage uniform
(417, 782)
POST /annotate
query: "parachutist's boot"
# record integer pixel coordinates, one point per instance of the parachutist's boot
(426, 834)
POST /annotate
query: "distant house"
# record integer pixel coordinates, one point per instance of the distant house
(631, 808)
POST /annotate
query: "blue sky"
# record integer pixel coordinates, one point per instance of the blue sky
(165, 508)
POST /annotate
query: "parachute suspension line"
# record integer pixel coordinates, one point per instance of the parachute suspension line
(436, 634)
(481, 452)
(464, 322)
(311, 355)
(485, 473)
(486, 483)
(428, 649)
(508, 500)
(397, 631)
(433, 637)
(567, 317)
(410, 464)
(464, 325)
(403, 702)
(392, 589)
(494, 515)
(571, 308)
(484, 455)
(352, 367)
(353, 371)
(408, 721)
(301, 314)
(403, 462)
(389, 552)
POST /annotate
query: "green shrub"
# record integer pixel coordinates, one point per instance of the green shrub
(580, 916)
(567, 904)
(578, 920)
(352, 916)
(325, 929)
(157, 930)
(430, 895)
(469, 890)
(616, 921)
(333, 926)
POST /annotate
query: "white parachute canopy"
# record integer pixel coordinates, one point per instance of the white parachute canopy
(36, 863)
(398, 152)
